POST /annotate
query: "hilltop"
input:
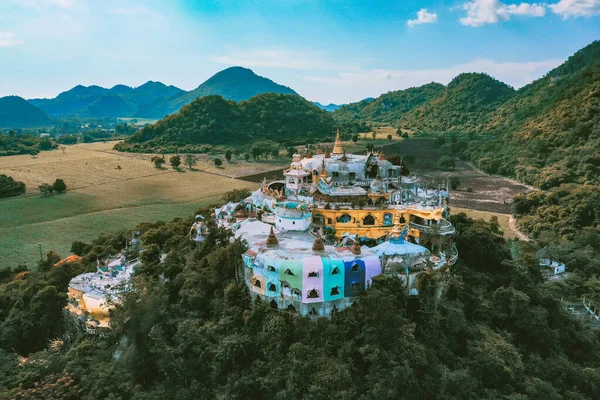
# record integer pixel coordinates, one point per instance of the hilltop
(118, 101)
(389, 107)
(215, 120)
(234, 83)
(16, 112)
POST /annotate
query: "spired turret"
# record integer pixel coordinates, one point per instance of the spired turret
(272, 239)
(337, 148)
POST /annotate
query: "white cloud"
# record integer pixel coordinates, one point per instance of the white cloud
(8, 39)
(481, 12)
(279, 58)
(576, 8)
(423, 17)
(355, 85)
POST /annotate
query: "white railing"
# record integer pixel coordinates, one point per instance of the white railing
(444, 227)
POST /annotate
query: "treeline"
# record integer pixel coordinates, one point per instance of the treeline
(12, 143)
(212, 120)
(189, 331)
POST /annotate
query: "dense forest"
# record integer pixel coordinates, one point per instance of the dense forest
(286, 119)
(12, 143)
(188, 331)
(16, 112)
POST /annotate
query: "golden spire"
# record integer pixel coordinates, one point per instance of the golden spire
(272, 239)
(337, 148)
(323, 173)
(327, 154)
(344, 158)
(396, 230)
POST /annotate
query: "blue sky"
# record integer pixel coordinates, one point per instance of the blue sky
(328, 51)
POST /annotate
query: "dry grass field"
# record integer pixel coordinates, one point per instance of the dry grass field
(503, 219)
(107, 191)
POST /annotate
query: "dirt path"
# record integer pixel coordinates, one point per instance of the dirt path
(512, 223)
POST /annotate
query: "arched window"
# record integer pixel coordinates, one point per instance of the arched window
(257, 283)
(335, 271)
(313, 311)
(344, 218)
(274, 304)
(272, 287)
(271, 268)
(402, 219)
(296, 292)
(289, 272)
(291, 309)
(369, 220)
(313, 274)
(285, 285)
(355, 286)
(355, 268)
(313, 294)
(335, 290)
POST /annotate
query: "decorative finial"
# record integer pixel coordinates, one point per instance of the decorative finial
(323, 173)
(318, 245)
(344, 158)
(327, 153)
(381, 155)
(319, 150)
(272, 239)
(309, 153)
(337, 148)
(356, 247)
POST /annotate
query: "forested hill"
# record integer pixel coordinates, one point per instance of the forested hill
(214, 120)
(118, 101)
(549, 133)
(391, 106)
(464, 105)
(234, 83)
(16, 112)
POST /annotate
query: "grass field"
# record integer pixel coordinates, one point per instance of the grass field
(100, 197)
(503, 219)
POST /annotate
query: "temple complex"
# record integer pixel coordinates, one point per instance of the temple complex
(317, 237)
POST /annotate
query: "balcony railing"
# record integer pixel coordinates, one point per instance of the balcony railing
(443, 227)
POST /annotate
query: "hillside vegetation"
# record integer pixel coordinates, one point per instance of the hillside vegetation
(16, 112)
(389, 107)
(214, 120)
(234, 83)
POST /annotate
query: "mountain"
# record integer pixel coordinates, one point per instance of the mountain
(548, 133)
(215, 120)
(16, 112)
(391, 106)
(329, 107)
(234, 83)
(464, 105)
(119, 101)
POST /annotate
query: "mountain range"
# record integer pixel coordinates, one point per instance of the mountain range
(155, 99)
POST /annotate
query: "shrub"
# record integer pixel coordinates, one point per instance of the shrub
(446, 163)
(454, 182)
(175, 161)
(59, 186)
(9, 187)
(218, 162)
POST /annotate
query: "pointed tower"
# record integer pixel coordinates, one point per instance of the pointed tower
(356, 248)
(272, 239)
(318, 245)
(323, 173)
(337, 148)
(319, 150)
(327, 153)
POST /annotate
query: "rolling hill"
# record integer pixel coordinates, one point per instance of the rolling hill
(234, 83)
(16, 112)
(391, 106)
(120, 100)
(215, 120)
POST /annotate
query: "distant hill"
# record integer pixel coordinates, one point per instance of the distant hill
(329, 107)
(215, 120)
(464, 105)
(389, 107)
(234, 83)
(120, 100)
(16, 112)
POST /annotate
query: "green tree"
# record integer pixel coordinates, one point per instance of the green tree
(175, 161)
(9, 187)
(374, 135)
(59, 186)
(355, 138)
(228, 154)
(247, 157)
(190, 160)
(237, 152)
(275, 152)
(158, 161)
(389, 137)
(446, 163)
(218, 162)
(46, 189)
(454, 182)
